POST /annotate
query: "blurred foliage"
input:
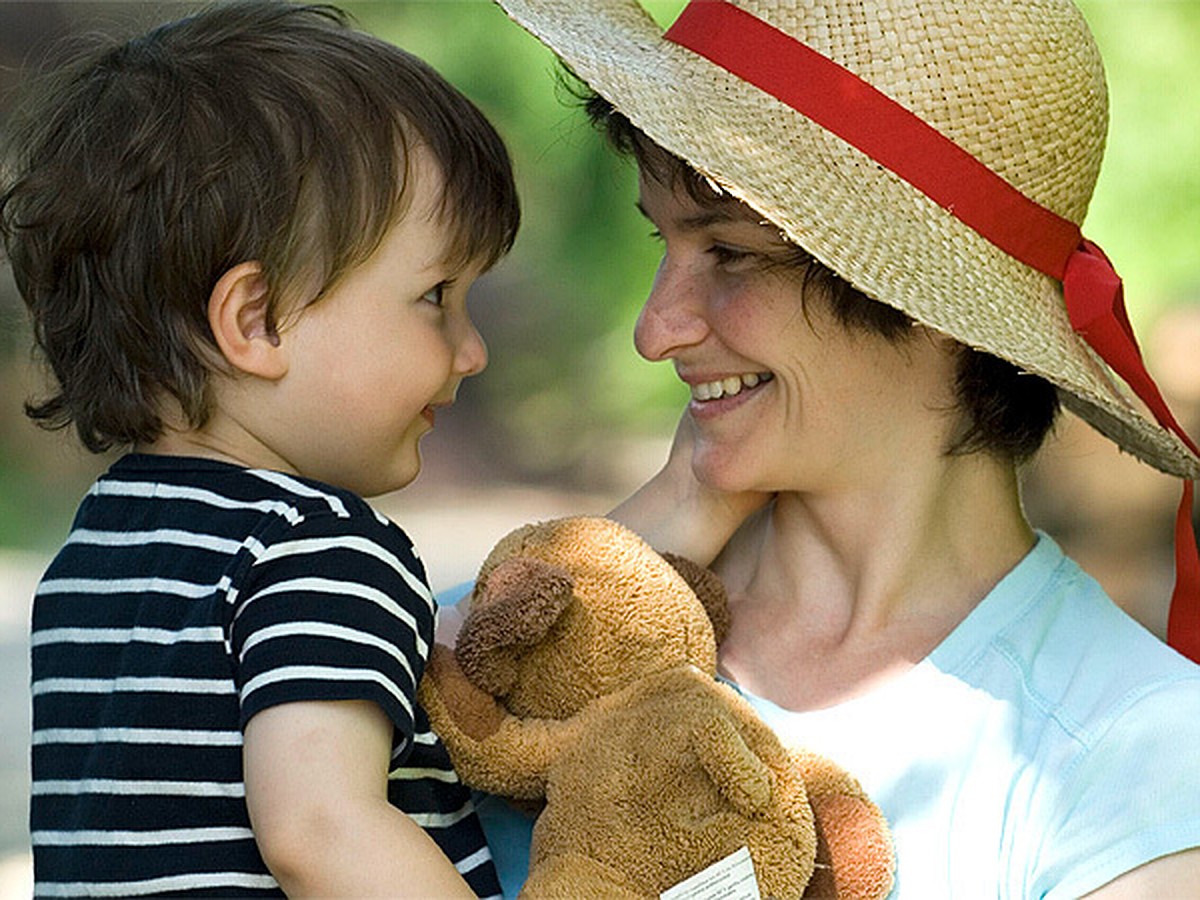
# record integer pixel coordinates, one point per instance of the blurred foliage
(565, 389)
(1146, 209)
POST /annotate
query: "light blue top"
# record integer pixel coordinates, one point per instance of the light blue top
(1046, 746)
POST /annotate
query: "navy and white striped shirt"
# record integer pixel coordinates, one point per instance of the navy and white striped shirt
(191, 594)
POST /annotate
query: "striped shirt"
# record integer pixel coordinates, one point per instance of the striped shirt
(191, 594)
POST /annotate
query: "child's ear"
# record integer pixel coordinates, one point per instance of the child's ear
(239, 314)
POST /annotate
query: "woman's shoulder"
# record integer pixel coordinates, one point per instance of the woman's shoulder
(1077, 655)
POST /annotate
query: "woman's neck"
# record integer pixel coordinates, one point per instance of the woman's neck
(832, 593)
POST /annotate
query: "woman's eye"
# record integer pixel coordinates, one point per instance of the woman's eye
(726, 255)
(435, 294)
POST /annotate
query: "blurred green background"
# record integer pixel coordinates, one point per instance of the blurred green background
(565, 396)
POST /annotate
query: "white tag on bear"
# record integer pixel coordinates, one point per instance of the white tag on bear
(731, 878)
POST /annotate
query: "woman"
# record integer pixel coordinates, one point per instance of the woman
(891, 606)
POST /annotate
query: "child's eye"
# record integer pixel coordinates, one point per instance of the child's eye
(435, 294)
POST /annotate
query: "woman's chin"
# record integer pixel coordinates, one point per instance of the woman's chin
(722, 471)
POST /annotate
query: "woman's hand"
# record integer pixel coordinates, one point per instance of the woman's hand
(675, 513)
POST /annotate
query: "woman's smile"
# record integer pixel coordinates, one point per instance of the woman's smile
(712, 397)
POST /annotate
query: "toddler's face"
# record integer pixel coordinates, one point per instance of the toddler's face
(373, 361)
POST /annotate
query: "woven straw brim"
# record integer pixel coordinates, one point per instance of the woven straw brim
(878, 232)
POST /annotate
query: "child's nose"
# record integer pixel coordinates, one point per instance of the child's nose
(472, 353)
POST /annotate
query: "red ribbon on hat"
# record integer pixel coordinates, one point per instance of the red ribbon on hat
(866, 118)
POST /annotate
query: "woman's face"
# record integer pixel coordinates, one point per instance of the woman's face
(784, 396)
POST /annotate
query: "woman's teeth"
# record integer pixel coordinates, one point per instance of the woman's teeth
(728, 387)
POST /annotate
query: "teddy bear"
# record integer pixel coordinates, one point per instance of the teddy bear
(583, 681)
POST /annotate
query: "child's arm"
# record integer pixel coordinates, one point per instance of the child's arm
(316, 786)
(674, 512)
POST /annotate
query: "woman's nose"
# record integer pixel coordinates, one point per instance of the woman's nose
(672, 316)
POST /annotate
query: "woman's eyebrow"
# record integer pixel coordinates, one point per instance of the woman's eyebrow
(698, 221)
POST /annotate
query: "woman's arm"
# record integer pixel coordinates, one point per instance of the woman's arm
(1177, 875)
(316, 786)
(674, 512)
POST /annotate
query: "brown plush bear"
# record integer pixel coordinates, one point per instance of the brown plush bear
(583, 676)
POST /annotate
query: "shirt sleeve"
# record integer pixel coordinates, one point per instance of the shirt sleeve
(1132, 796)
(332, 608)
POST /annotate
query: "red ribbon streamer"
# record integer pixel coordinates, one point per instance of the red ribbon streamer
(866, 118)
(1096, 306)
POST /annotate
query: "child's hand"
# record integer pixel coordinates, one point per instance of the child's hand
(675, 513)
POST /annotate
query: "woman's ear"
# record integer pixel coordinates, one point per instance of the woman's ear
(239, 314)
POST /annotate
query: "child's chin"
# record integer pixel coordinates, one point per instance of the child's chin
(400, 476)
(406, 474)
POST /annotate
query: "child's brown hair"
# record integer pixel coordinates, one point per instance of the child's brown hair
(255, 130)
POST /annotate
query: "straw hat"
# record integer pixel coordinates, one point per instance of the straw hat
(1018, 85)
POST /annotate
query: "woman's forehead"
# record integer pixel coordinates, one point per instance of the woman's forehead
(687, 212)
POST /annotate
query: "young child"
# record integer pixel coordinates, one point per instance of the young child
(245, 240)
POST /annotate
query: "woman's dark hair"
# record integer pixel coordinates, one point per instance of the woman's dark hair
(253, 130)
(1006, 412)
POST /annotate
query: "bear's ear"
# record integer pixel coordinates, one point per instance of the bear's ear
(708, 588)
(513, 609)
